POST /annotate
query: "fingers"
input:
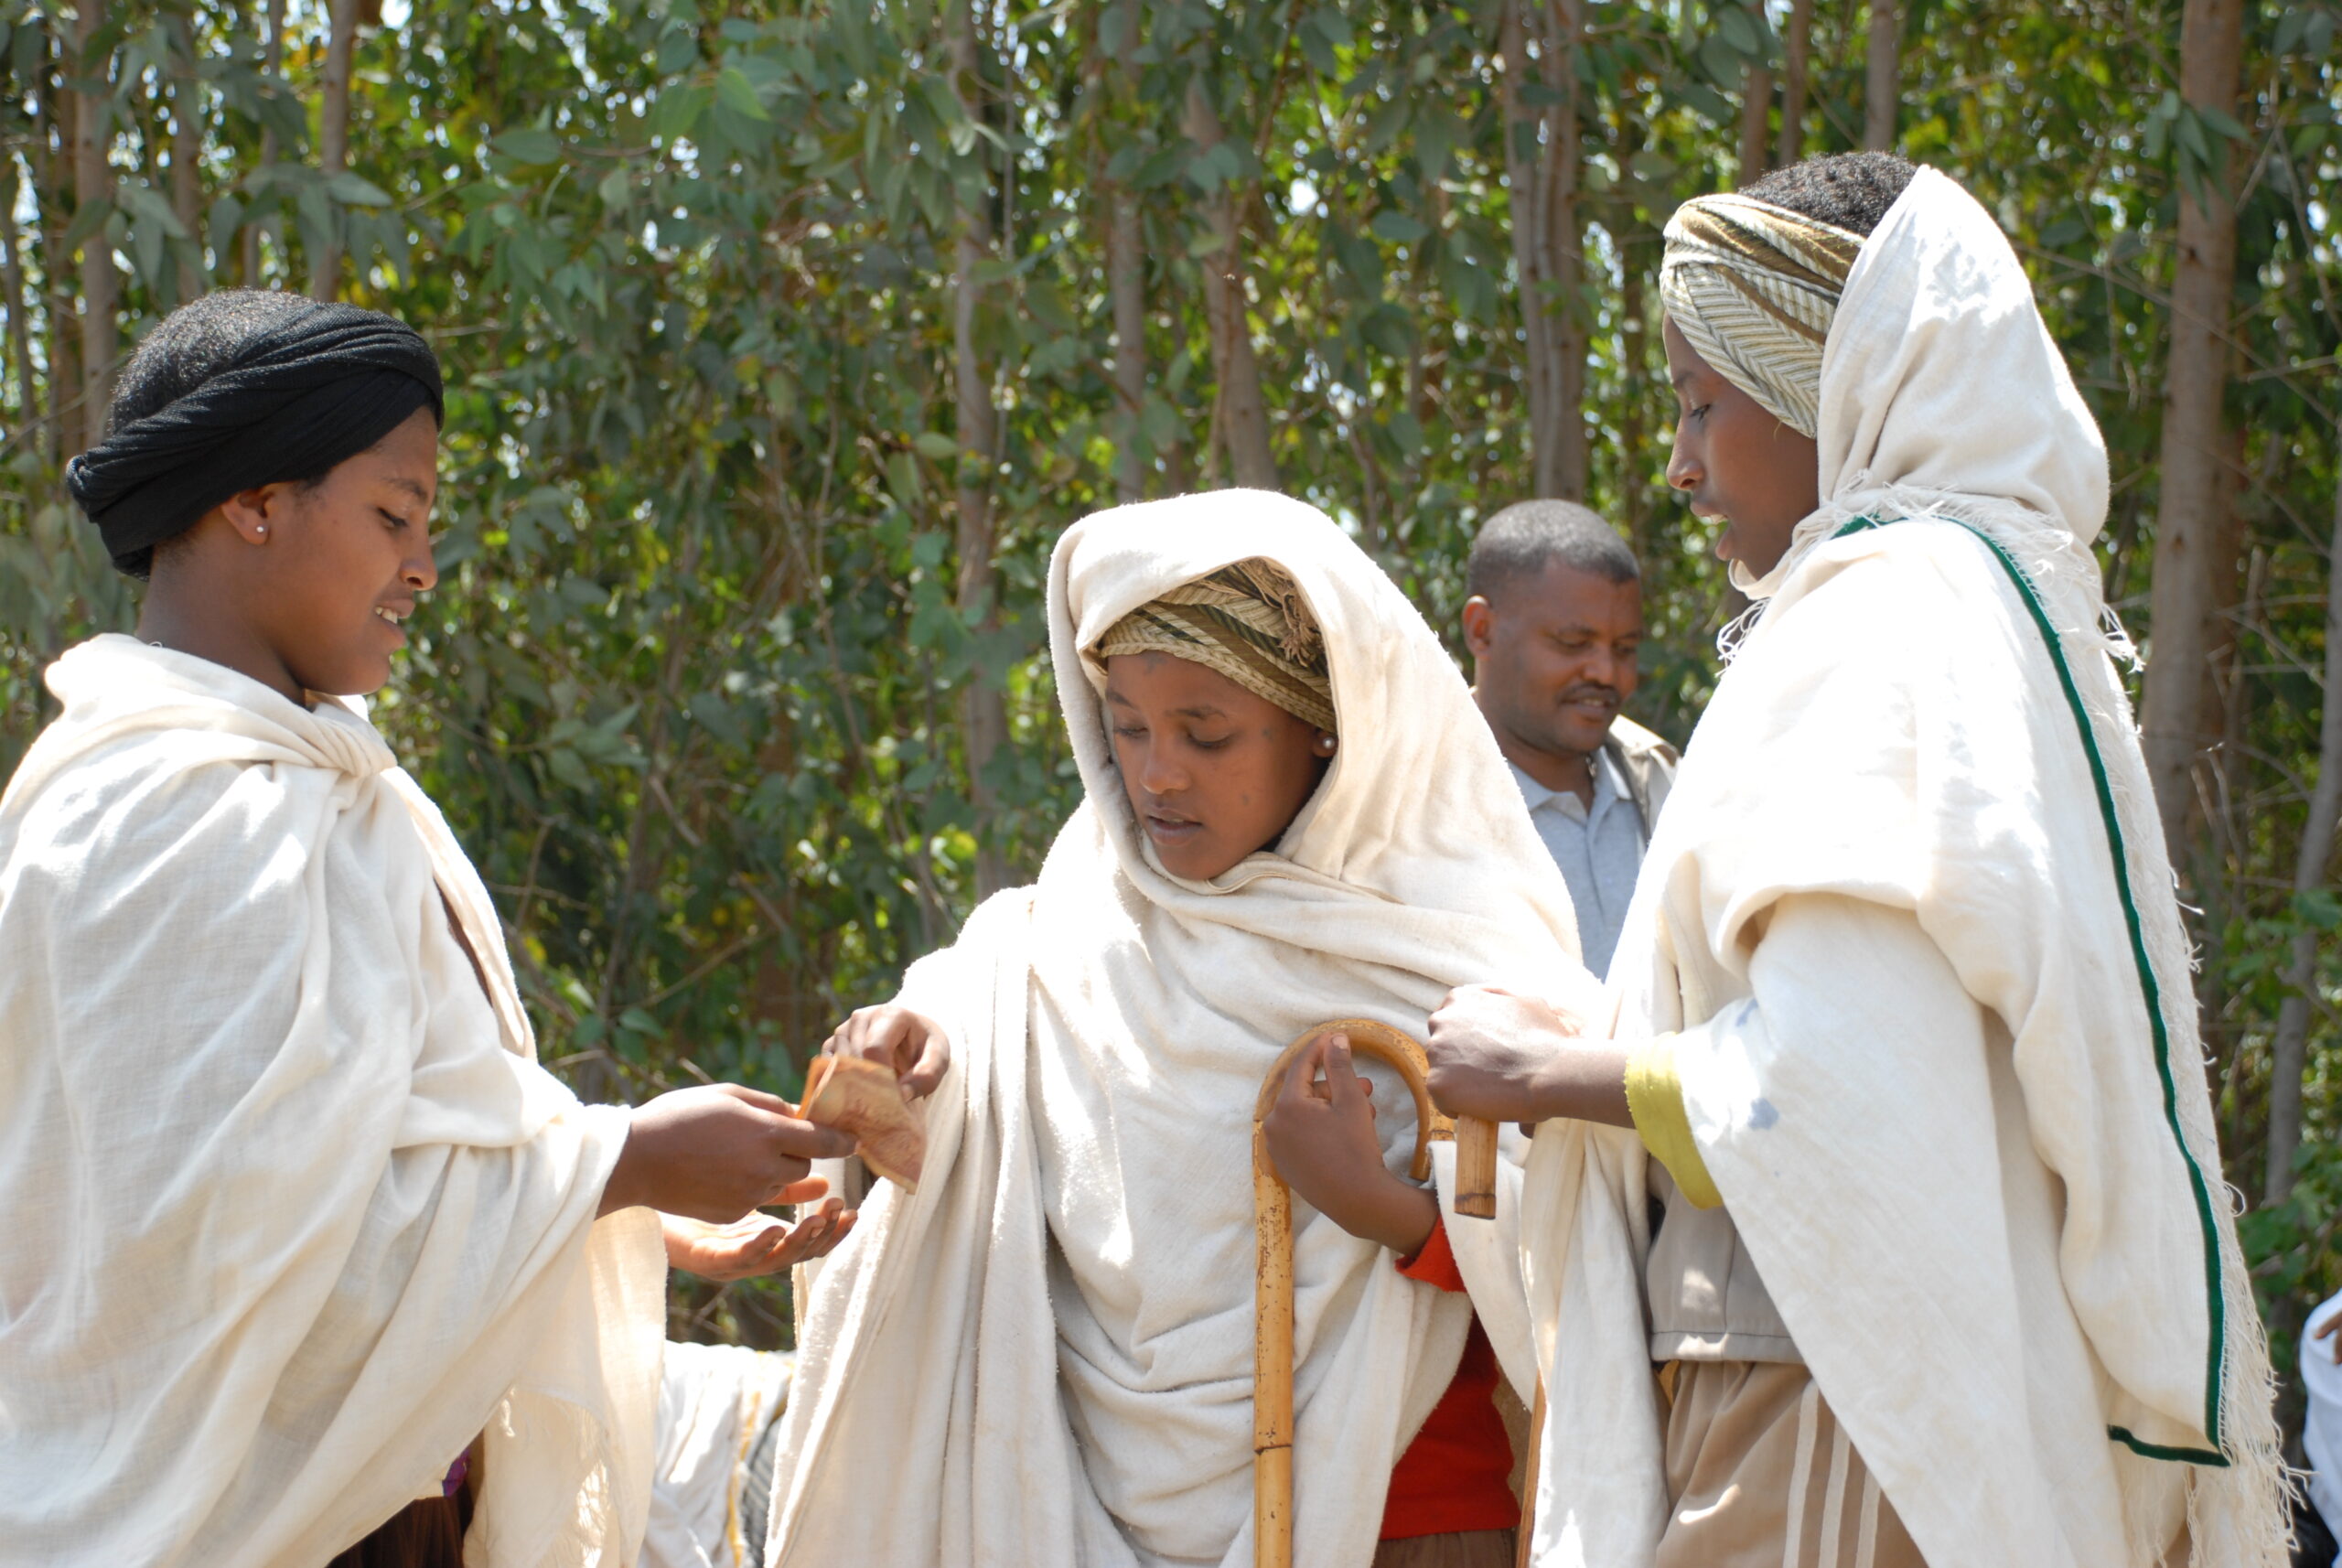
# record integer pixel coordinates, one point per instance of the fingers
(804, 1189)
(757, 1098)
(929, 1062)
(799, 1142)
(1344, 1087)
(1300, 1079)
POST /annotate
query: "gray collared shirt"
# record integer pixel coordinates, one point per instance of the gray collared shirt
(1599, 849)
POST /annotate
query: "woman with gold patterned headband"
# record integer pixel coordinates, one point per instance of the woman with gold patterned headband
(1903, 1037)
(1293, 814)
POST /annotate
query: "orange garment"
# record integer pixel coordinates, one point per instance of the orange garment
(1457, 1473)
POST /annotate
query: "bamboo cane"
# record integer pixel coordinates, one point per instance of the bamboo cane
(1272, 1296)
(1528, 1530)
(1476, 1167)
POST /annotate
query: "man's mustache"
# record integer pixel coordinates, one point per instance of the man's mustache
(1585, 689)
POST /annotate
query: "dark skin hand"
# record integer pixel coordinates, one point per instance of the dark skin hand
(1212, 772)
(1733, 460)
(1503, 1056)
(1321, 1138)
(911, 1046)
(1554, 662)
(758, 1244)
(716, 1153)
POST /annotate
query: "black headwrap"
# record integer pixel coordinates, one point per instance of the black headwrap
(314, 385)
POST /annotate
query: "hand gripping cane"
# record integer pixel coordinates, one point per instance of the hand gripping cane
(1273, 1231)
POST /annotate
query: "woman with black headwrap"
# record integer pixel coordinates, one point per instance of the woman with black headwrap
(293, 1218)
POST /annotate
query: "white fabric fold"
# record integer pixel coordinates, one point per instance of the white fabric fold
(1917, 1048)
(1055, 1337)
(292, 1213)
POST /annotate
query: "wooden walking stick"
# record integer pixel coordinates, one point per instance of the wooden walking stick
(1476, 1167)
(1273, 1299)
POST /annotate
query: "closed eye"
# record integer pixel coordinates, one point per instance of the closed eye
(393, 519)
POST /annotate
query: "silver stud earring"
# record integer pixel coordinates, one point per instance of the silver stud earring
(262, 531)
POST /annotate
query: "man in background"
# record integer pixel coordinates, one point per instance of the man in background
(1553, 624)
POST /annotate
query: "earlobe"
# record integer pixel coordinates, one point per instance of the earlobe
(249, 512)
(1325, 744)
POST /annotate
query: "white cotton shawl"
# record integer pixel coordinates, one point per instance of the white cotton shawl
(1990, 1254)
(715, 1401)
(292, 1213)
(1046, 1357)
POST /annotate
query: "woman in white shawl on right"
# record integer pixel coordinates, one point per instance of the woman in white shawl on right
(1947, 1274)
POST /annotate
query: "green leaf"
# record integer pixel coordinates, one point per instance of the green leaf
(677, 113)
(528, 145)
(934, 444)
(87, 219)
(738, 94)
(617, 187)
(1738, 30)
(1397, 227)
(355, 191)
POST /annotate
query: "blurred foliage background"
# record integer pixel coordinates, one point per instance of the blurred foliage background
(783, 337)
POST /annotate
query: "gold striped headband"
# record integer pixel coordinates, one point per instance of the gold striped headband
(1248, 622)
(1752, 287)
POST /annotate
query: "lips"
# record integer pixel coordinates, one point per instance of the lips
(1169, 827)
(390, 615)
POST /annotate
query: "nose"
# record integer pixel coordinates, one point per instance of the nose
(1601, 667)
(1158, 773)
(421, 571)
(1684, 469)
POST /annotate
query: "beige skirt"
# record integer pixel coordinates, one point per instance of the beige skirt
(1760, 1474)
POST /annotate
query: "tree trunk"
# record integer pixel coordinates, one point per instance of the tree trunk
(1797, 54)
(1757, 99)
(273, 69)
(93, 182)
(1126, 288)
(1523, 159)
(1126, 280)
(1882, 84)
(983, 706)
(1560, 461)
(2195, 565)
(187, 151)
(333, 139)
(52, 149)
(1243, 411)
(12, 275)
(2288, 1050)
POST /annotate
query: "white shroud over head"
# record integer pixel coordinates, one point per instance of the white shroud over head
(1994, 1224)
(1079, 1260)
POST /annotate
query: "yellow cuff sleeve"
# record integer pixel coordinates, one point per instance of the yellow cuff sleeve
(1655, 1099)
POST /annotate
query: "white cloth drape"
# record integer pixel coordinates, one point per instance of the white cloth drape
(1917, 1050)
(293, 1215)
(1047, 1355)
(715, 1401)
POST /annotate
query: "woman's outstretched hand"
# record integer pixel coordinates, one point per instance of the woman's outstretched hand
(1503, 1056)
(910, 1045)
(759, 1244)
(714, 1153)
(1321, 1138)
